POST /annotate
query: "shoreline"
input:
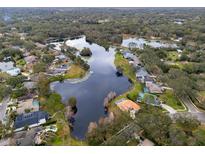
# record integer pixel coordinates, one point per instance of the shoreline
(72, 81)
(78, 80)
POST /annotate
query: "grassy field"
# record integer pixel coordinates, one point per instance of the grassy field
(169, 98)
(75, 71)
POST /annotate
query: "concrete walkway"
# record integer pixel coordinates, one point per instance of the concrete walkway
(169, 109)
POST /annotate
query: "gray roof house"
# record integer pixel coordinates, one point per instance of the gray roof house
(31, 119)
(30, 59)
(30, 85)
(9, 68)
(141, 74)
(128, 55)
(5, 66)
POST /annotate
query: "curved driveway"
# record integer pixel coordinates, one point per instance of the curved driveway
(194, 110)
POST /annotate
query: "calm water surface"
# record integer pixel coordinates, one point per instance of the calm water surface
(140, 42)
(91, 93)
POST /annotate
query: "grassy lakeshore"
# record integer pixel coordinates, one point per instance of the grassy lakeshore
(129, 72)
(75, 71)
(56, 109)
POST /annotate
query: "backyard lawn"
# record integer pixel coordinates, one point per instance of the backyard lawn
(170, 99)
(75, 71)
(129, 72)
(172, 56)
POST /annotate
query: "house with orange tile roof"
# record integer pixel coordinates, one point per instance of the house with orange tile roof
(127, 105)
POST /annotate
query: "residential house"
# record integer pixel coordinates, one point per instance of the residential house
(30, 61)
(148, 79)
(9, 68)
(141, 74)
(14, 71)
(128, 106)
(4, 66)
(60, 58)
(30, 120)
(128, 55)
(26, 54)
(30, 85)
(153, 88)
(7, 59)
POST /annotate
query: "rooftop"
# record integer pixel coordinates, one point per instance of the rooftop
(153, 87)
(5, 66)
(30, 119)
(30, 59)
(14, 71)
(142, 72)
(127, 105)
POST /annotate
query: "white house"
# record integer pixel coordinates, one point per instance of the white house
(14, 72)
(5, 66)
(9, 68)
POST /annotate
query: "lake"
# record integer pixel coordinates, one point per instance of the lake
(141, 42)
(91, 92)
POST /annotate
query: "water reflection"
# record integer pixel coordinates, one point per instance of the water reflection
(91, 93)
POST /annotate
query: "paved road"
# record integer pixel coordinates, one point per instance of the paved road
(3, 107)
(189, 105)
(194, 110)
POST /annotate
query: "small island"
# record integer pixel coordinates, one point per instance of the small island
(86, 52)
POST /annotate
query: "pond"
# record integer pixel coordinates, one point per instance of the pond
(90, 93)
(140, 42)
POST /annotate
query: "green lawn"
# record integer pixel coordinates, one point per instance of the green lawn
(123, 63)
(129, 72)
(149, 98)
(170, 99)
(75, 71)
(21, 62)
(172, 56)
